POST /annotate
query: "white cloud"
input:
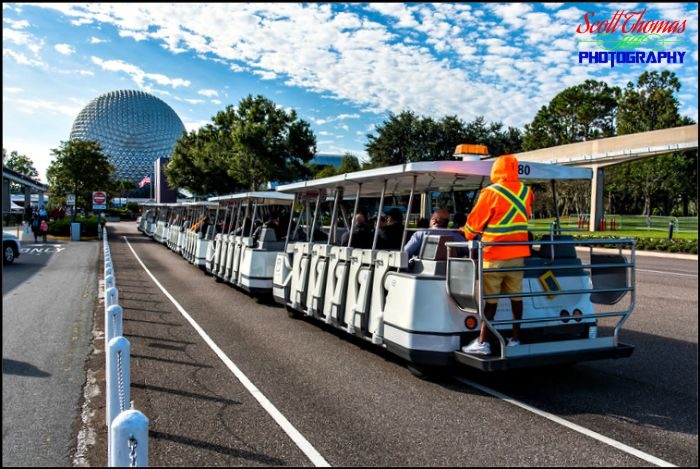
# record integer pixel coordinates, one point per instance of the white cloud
(195, 125)
(12, 90)
(22, 59)
(138, 75)
(208, 93)
(397, 11)
(347, 116)
(427, 58)
(552, 5)
(14, 24)
(216, 101)
(97, 40)
(23, 39)
(512, 13)
(32, 106)
(65, 49)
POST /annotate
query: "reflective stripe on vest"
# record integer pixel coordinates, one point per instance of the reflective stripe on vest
(518, 203)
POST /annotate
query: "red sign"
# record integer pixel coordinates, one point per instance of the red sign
(99, 198)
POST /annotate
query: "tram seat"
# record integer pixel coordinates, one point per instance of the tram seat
(557, 251)
(268, 241)
(433, 248)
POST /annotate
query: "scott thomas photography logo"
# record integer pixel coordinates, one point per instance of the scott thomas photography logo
(630, 37)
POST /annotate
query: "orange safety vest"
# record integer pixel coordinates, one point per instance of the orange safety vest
(501, 215)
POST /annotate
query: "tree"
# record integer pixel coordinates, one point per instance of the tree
(650, 105)
(349, 164)
(244, 147)
(199, 164)
(406, 138)
(81, 168)
(577, 114)
(20, 163)
(120, 187)
(267, 143)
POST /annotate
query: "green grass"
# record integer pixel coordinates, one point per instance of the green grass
(637, 225)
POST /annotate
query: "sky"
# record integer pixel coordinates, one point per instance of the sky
(342, 67)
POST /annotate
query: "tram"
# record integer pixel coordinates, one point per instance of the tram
(194, 242)
(246, 244)
(427, 307)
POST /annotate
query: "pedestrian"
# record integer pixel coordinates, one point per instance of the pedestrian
(43, 229)
(35, 226)
(500, 215)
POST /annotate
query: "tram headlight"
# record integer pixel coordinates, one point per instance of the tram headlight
(577, 312)
(470, 322)
(564, 314)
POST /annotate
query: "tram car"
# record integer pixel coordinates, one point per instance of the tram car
(425, 308)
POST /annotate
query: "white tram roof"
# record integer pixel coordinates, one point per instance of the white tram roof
(433, 175)
(200, 204)
(264, 197)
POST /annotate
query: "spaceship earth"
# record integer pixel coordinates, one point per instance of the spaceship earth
(134, 129)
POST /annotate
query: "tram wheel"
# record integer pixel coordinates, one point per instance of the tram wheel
(218, 279)
(293, 313)
(426, 372)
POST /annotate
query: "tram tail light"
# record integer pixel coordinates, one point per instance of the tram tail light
(564, 314)
(577, 312)
(470, 322)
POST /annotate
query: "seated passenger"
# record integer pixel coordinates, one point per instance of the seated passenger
(273, 223)
(438, 226)
(361, 234)
(459, 220)
(391, 233)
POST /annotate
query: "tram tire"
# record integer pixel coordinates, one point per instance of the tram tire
(218, 279)
(293, 313)
(426, 372)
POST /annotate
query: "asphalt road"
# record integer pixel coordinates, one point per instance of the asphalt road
(358, 405)
(48, 297)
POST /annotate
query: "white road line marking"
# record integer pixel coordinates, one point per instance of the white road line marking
(668, 273)
(572, 426)
(281, 420)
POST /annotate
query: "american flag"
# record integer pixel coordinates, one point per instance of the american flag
(144, 181)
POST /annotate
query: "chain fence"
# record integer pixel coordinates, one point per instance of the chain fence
(127, 428)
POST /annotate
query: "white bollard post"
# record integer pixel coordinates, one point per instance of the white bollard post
(109, 281)
(113, 321)
(129, 444)
(118, 383)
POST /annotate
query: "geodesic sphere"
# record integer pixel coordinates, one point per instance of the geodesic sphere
(134, 129)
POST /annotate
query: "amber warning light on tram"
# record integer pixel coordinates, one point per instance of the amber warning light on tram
(469, 152)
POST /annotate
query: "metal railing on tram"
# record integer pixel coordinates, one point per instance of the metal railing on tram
(599, 272)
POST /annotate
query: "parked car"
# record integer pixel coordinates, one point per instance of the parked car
(10, 248)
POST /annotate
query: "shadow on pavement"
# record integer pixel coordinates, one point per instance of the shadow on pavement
(236, 453)
(14, 367)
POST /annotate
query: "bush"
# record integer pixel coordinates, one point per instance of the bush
(88, 226)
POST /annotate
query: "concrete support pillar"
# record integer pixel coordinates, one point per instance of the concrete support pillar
(42, 202)
(27, 203)
(596, 198)
(6, 198)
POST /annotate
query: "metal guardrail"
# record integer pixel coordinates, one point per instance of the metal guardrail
(127, 428)
(491, 325)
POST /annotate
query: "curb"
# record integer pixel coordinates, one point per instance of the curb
(666, 255)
